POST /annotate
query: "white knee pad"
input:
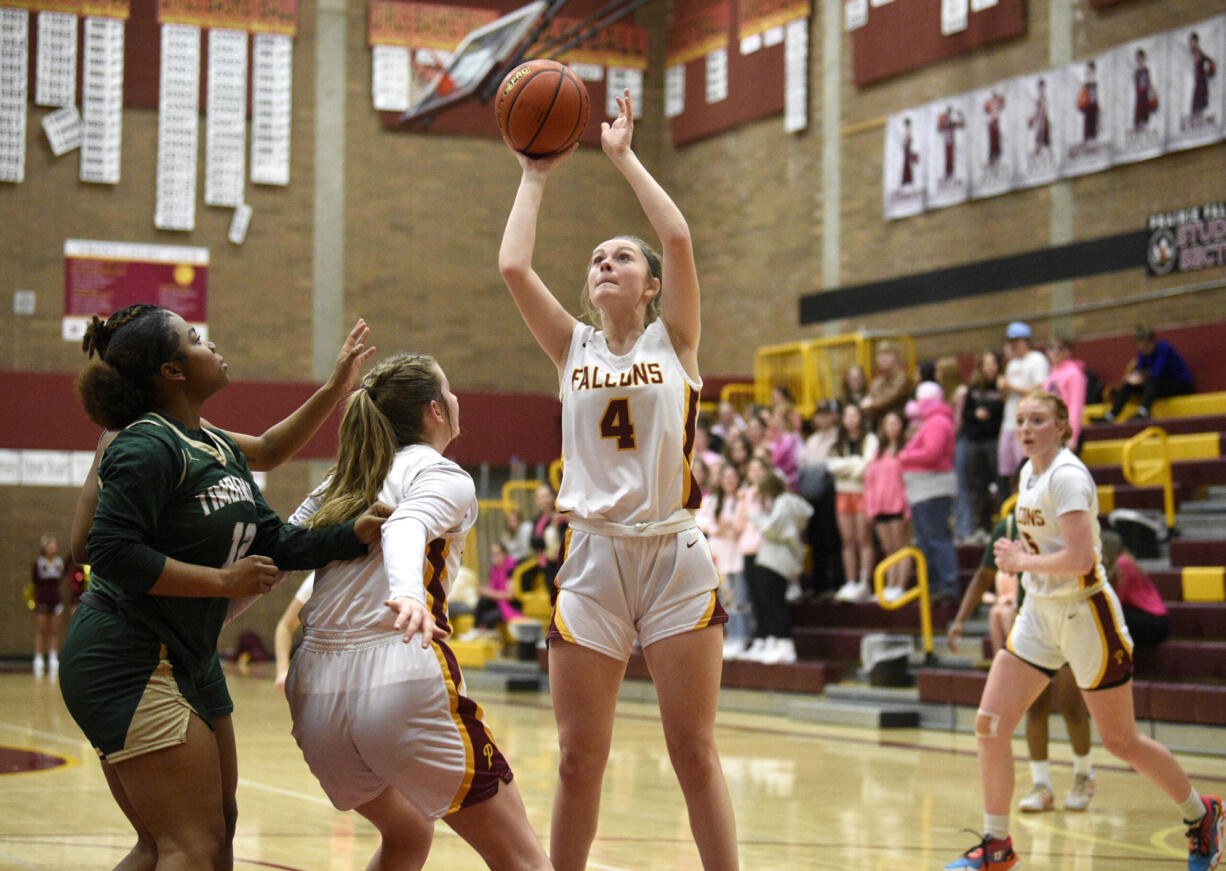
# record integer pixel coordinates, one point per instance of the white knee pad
(986, 724)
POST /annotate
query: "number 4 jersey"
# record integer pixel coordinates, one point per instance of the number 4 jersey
(169, 491)
(627, 429)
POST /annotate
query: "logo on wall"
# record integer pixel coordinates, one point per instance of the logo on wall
(1187, 240)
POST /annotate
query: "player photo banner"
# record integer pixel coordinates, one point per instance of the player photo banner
(1139, 98)
(1187, 240)
(994, 139)
(947, 147)
(1037, 157)
(1197, 113)
(698, 33)
(903, 166)
(1082, 119)
(423, 25)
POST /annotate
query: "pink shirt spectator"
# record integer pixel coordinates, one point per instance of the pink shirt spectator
(1068, 381)
(750, 538)
(785, 456)
(884, 492)
(500, 580)
(723, 532)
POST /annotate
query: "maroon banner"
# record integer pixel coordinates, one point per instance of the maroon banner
(102, 277)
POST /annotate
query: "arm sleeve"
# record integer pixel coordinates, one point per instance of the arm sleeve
(435, 503)
(136, 477)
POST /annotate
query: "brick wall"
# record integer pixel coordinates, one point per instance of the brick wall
(425, 214)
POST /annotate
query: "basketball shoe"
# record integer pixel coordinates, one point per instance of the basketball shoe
(1079, 796)
(990, 854)
(1039, 799)
(1205, 837)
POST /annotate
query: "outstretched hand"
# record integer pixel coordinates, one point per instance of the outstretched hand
(414, 618)
(352, 355)
(615, 137)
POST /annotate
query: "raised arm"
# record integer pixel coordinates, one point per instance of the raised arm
(679, 306)
(550, 323)
(287, 437)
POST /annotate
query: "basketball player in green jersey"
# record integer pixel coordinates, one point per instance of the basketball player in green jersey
(180, 530)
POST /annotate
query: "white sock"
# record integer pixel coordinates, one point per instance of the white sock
(1192, 809)
(996, 826)
(1040, 772)
(1081, 765)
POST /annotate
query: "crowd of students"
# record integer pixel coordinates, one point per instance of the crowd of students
(895, 459)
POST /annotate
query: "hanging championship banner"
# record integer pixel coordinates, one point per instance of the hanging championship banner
(759, 16)
(1187, 240)
(618, 45)
(422, 25)
(697, 34)
(102, 277)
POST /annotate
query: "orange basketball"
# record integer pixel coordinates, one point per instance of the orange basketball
(542, 107)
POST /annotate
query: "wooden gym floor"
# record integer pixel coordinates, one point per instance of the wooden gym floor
(807, 796)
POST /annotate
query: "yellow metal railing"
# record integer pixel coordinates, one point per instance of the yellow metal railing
(1140, 471)
(919, 591)
(740, 395)
(812, 369)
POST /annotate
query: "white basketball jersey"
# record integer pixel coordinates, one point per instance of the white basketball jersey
(627, 429)
(1064, 486)
(435, 505)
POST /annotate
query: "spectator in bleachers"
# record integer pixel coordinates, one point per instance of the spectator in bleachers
(885, 500)
(1157, 371)
(738, 451)
(954, 389)
(548, 531)
(778, 565)
(816, 484)
(890, 387)
(703, 449)
(948, 373)
(784, 441)
(516, 538)
(749, 504)
(756, 426)
(982, 409)
(1068, 381)
(1148, 620)
(928, 472)
(856, 446)
(1025, 370)
(702, 475)
(727, 422)
(855, 385)
(496, 603)
(722, 522)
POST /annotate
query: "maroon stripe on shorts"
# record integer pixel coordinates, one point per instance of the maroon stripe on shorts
(1119, 660)
(489, 765)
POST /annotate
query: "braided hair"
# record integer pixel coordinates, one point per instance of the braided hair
(383, 415)
(132, 344)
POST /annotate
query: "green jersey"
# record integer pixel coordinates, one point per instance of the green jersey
(165, 490)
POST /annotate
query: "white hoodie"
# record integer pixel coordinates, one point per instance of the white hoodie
(781, 530)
